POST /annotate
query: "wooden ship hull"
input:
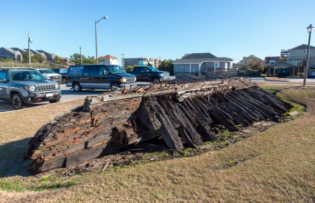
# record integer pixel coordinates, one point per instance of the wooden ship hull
(181, 113)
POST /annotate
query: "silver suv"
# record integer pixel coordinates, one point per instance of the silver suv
(50, 75)
(27, 86)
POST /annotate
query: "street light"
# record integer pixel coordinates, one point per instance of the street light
(96, 36)
(309, 30)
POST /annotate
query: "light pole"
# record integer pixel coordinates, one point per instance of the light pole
(309, 30)
(96, 36)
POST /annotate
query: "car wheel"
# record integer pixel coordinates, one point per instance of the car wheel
(155, 81)
(64, 80)
(55, 101)
(77, 87)
(113, 86)
(17, 101)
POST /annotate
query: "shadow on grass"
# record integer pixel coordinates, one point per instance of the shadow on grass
(11, 158)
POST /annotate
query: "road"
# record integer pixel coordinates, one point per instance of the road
(68, 94)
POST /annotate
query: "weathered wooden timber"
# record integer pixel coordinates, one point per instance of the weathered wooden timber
(181, 113)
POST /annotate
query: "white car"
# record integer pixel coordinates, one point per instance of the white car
(50, 75)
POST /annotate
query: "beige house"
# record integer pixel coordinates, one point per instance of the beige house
(299, 53)
(109, 60)
(246, 60)
(10, 53)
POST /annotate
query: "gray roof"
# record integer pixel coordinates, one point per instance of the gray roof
(281, 64)
(303, 46)
(45, 52)
(199, 58)
(18, 49)
(9, 49)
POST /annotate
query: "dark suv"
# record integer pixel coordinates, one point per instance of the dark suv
(27, 86)
(63, 73)
(98, 77)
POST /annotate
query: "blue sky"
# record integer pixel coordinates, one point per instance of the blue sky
(158, 28)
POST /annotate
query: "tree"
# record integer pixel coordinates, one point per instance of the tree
(167, 65)
(256, 64)
(85, 60)
(149, 64)
(59, 60)
(7, 60)
(38, 58)
(76, 58)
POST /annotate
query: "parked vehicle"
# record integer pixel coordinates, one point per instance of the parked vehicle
(151, 74)
(50, 75)
(27, 86)
(63, 72)
(98, 77)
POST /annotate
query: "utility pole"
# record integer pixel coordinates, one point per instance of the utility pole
(309, 30)
(96, 36)
(122, 60)
(29, 48)
(81, 55)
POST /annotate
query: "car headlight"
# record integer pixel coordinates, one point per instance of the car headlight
(123, 80)
(135, 79)
(56, 86)
(161, 74)
(47, 77)
(31, 88)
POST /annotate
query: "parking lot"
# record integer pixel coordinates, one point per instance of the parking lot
(67, 95)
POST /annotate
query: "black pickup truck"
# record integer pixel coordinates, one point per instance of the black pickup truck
(151, 74)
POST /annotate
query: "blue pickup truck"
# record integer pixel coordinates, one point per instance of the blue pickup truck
(150, 74)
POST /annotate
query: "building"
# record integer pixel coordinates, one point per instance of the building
(49, 56)
(157, 63)
(284, 54)
(197, 62)
(38, 53)
(141, 61)
(109, 60)
(10, 53)
(299, 53)
(20, 50)
(272, 59)
(246, 60)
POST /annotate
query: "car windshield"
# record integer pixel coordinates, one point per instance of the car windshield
(116, 69)
(26, 76)
(153, 69)
(64, 70)
(45, 71)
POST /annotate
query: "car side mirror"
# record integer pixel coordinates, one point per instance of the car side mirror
(3, 80)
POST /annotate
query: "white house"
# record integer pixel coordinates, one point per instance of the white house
(109, 60)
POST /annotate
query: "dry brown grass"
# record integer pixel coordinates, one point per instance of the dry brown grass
(276, 165)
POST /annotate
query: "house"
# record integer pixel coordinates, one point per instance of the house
(109, 60)
(10, 53)
(20, 50)
(246, 60)
(37, 52)
(141, 61)
(311, 68)
(198, 62)
(49, 56)
(272, 59)
(299, 54)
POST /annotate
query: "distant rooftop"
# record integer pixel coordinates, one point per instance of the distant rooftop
(107, 57)
(303, 46)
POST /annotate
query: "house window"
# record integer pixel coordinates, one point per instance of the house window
(245, 62)
(304, 51)
(216, 64)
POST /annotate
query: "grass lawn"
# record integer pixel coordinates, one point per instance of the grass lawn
(276, 165)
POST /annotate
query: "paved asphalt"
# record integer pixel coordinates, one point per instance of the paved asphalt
(68, 94)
